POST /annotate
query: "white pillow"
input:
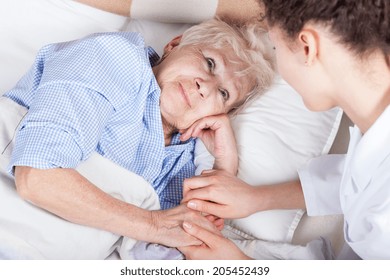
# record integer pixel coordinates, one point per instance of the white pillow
(157, 34)
(276, 134)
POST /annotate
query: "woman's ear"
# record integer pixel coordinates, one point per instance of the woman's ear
(171, 45)
(308, 39)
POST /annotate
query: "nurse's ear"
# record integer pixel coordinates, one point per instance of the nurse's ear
(308, 41)
(171, 45)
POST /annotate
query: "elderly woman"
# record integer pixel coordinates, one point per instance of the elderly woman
(108, 93)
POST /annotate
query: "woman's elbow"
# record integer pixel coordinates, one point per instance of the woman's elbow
(25, 181)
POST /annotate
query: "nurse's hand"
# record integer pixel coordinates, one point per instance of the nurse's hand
(221, 194)
(214, 247)
(217, 135)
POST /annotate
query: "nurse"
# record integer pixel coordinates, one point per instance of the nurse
(334, 53)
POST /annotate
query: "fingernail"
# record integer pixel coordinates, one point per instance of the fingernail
(187, 225)
(191, 205)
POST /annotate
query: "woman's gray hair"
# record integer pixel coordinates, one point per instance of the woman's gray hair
(250, 43)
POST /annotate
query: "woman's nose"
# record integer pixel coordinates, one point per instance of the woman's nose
(206, 87)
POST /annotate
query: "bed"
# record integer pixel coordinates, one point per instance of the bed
(276, 135)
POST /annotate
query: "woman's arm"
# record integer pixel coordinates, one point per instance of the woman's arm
(120, 7)
(66, 193)
(229, 10)
(240, 11)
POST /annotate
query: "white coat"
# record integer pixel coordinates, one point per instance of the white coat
(357, 185)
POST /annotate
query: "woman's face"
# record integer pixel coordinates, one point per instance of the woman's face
(197, 82)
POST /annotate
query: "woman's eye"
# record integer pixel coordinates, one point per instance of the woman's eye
(225, 94)
(210, 63)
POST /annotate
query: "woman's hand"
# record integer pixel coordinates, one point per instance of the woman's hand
(220, 194)
(167, 226)
(217, 135)
(214, 247)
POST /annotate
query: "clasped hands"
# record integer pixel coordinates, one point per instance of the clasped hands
(217, 195)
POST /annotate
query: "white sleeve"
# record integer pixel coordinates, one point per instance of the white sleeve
(321, 179)
(187, 11)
